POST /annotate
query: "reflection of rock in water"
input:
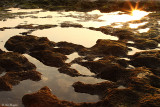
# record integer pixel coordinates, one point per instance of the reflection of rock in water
(18, 68)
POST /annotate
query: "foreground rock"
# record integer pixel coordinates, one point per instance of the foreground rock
(151, 101)
(44, 97)
(114, 97)
(124, 97)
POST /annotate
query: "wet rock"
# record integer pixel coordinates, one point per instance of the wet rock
(157, 38)
(23, 44)
(150, 59)
(142, 80)
(11, 61)
(146, 44)
(4, 85)
(142, 85)
(13, 78)
(154, 81)
(2, 70)
(114, 59)
(113, 72)
(106, 68)
(49, 58)
(43, 98)
(106, 29)
(93, 89)
(124, 97)
(69, 24)
(69, 71)
(64, 50)
(1, 51)
(70, 45)
(31, 26)
(110, 47)
(150, 101)
(124, 34)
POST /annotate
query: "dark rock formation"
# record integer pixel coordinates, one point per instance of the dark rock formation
(146, 44)
(49, 58)
(64, 50)
(69, 71)
(123, 34)
(150, 59)
(44, 97)
(69, 24)
(18, 68)
(110, 47)
(94, 89)
(24, 44)
(11, 61)
(40, 48)
(14, 78)
(70, 45)
(31, 26)
(107, 68)
(124, 97)
(151, 101)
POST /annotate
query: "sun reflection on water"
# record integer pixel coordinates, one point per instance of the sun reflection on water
(117, 17)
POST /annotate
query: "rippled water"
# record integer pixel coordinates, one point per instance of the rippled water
(60, 84)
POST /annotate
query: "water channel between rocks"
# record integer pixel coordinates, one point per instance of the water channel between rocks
(60, 84)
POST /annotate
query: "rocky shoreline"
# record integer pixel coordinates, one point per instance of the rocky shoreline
(131, 80)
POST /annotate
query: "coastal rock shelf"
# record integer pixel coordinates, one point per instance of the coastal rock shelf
(79, 59)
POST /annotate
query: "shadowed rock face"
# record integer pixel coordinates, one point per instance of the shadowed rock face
(11, 61)
(150, 59)
(94, 89)
(151, 101)
(126, 97)
(146, 44)
(49, 58)
(18, 68)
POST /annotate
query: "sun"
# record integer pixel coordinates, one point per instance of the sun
(135, 11)
(138, 13)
